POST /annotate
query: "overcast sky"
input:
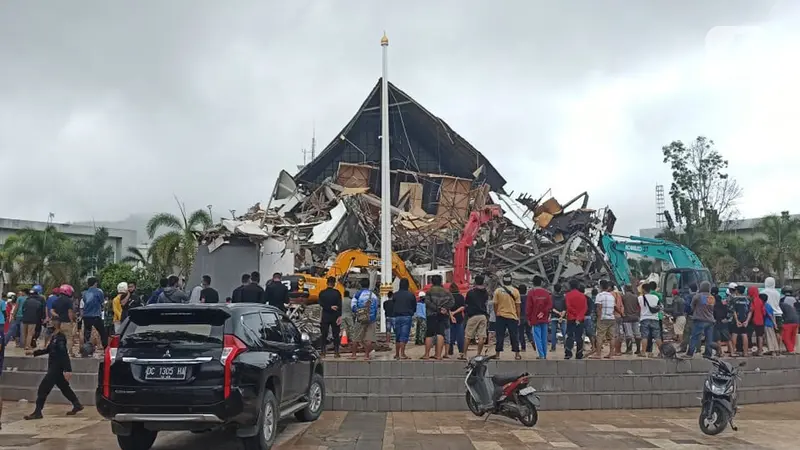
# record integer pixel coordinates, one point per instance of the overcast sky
(108, 110)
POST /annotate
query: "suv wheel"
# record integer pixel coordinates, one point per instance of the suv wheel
(267, 425)
(139, 439)
(316, 398)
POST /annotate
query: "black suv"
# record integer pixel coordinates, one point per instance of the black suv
(200, 366)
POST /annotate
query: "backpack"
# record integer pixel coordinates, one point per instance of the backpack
(362, 313)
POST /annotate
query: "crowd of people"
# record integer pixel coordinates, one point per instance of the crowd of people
(598, 322)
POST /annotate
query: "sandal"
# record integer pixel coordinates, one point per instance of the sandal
(518, 357)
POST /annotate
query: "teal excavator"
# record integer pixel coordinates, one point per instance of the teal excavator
(685, 270)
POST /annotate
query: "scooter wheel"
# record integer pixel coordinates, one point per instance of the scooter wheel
(715, 421)
(532, 417)
(473, 405)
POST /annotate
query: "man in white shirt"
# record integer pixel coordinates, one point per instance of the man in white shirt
(774, 300)
(195, 295)
(651, 330)
(607, 328)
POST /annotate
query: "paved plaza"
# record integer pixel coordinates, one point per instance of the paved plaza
(760, 427)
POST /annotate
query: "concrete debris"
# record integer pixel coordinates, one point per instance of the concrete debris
(533, 236)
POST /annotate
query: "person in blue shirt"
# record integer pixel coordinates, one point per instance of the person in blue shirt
(365, 298)
(420, 321)
(93, 299)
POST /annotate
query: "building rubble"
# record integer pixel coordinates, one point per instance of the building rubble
(534, 236)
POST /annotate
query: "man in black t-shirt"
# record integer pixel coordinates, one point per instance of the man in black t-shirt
(330, 299)
(253, 293)
(208, 294)
(236, 296)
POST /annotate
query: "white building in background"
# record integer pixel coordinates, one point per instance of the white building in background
(118, 239)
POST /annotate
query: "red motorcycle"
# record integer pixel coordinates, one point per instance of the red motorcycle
(504, 395)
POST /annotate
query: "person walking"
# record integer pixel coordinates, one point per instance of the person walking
(33, 315)
(558, 317)
(539, 304)
(507, 306)
(365, 313)
(59, 372)
(702, 320)
(405, 305)
(576, 313)
(92, 311)
(438, 302)
(475, 311)
(330, 299)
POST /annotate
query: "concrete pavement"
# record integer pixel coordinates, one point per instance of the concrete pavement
(761, 427)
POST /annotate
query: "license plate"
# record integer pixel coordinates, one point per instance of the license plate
(527, 390)
(165, 373)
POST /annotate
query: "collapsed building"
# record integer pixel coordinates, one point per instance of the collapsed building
(437, 180)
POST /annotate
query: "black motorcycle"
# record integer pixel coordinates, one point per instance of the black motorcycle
(719, 397)
(505, 395)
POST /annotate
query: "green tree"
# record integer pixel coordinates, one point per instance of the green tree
(176, 248)
(94, 252)
(703, 195)
(113, 274)
(47, 257)
(782, 241)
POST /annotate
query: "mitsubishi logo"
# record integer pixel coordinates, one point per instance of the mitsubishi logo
(167, 355)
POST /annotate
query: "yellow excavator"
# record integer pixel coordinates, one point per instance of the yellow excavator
(306, 286)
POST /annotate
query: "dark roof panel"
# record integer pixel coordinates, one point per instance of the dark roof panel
(420, 142)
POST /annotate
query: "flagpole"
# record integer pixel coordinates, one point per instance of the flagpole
(386, 190)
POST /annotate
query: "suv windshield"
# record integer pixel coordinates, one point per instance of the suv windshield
(173, 328)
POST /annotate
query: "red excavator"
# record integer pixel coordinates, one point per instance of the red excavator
(460, 271)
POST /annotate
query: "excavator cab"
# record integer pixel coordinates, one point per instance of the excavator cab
(681, 278)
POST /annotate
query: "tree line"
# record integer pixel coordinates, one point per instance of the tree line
(705, 218)
(50, 258)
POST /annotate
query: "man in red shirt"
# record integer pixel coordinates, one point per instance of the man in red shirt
(576, 312)
(537, 309)
(759, 311)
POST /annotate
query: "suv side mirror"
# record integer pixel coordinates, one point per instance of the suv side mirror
(305, 339)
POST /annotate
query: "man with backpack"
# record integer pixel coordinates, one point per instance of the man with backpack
(365, 314)
(648, 319)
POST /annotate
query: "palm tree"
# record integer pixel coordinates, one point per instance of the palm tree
(137, 258)
(94, 252)
(176, 248)
(783, 240)
(43, 256)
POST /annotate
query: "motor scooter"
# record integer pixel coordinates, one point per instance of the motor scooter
(719, 397)
(506, 395)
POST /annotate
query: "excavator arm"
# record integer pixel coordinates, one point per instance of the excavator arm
(477, 219)
(355, 258)
(617, 248)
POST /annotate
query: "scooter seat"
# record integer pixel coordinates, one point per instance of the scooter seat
(503, 379)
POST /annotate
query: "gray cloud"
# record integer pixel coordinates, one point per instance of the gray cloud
(107, 110)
